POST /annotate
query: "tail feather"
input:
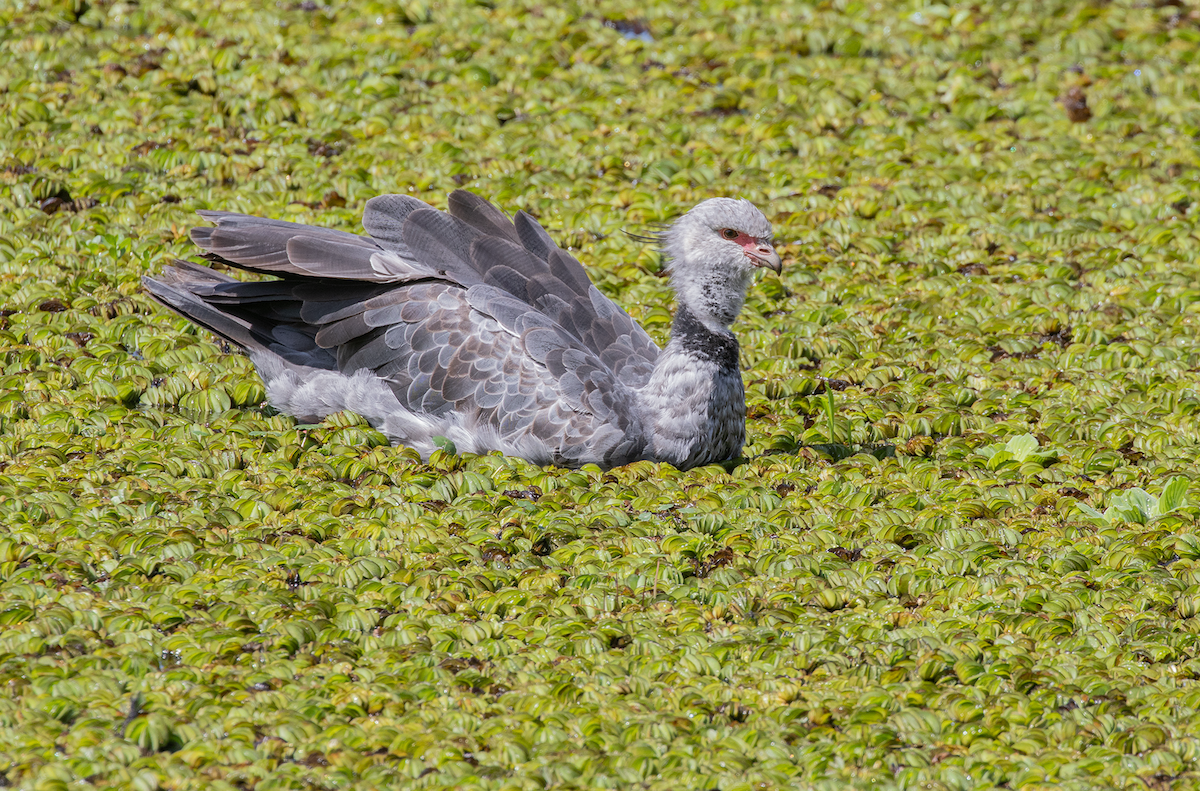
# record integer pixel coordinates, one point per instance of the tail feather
(173, 290)
(259, 325)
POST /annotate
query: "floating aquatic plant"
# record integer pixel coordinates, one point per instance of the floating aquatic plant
(987, 220)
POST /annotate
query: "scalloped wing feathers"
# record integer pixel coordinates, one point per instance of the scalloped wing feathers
(480, 328)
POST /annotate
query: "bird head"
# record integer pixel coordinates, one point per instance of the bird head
(713, 251)
(722, 232)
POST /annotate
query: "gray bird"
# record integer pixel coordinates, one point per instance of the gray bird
(480, 329)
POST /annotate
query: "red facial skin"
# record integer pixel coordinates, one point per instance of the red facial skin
(755, 249)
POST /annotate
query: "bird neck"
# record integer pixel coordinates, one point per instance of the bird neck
(700, 340)
(694, 400)
(709, 296)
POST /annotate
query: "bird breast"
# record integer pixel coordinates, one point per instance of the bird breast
(697, 408)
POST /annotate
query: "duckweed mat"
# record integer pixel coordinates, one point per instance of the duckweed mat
(960, 552)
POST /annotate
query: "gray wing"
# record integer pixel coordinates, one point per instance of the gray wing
(286, 248)
(519, 257)
(479, 354)
(465, 313)
(474, 244)
(495, 362)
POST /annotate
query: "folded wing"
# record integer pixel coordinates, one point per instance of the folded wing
(468, 317)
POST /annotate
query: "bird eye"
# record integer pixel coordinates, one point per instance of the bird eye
(729, 233)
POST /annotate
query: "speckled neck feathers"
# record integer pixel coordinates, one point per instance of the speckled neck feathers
(701, 343)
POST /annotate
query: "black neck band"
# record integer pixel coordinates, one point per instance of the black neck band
(700, 341)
